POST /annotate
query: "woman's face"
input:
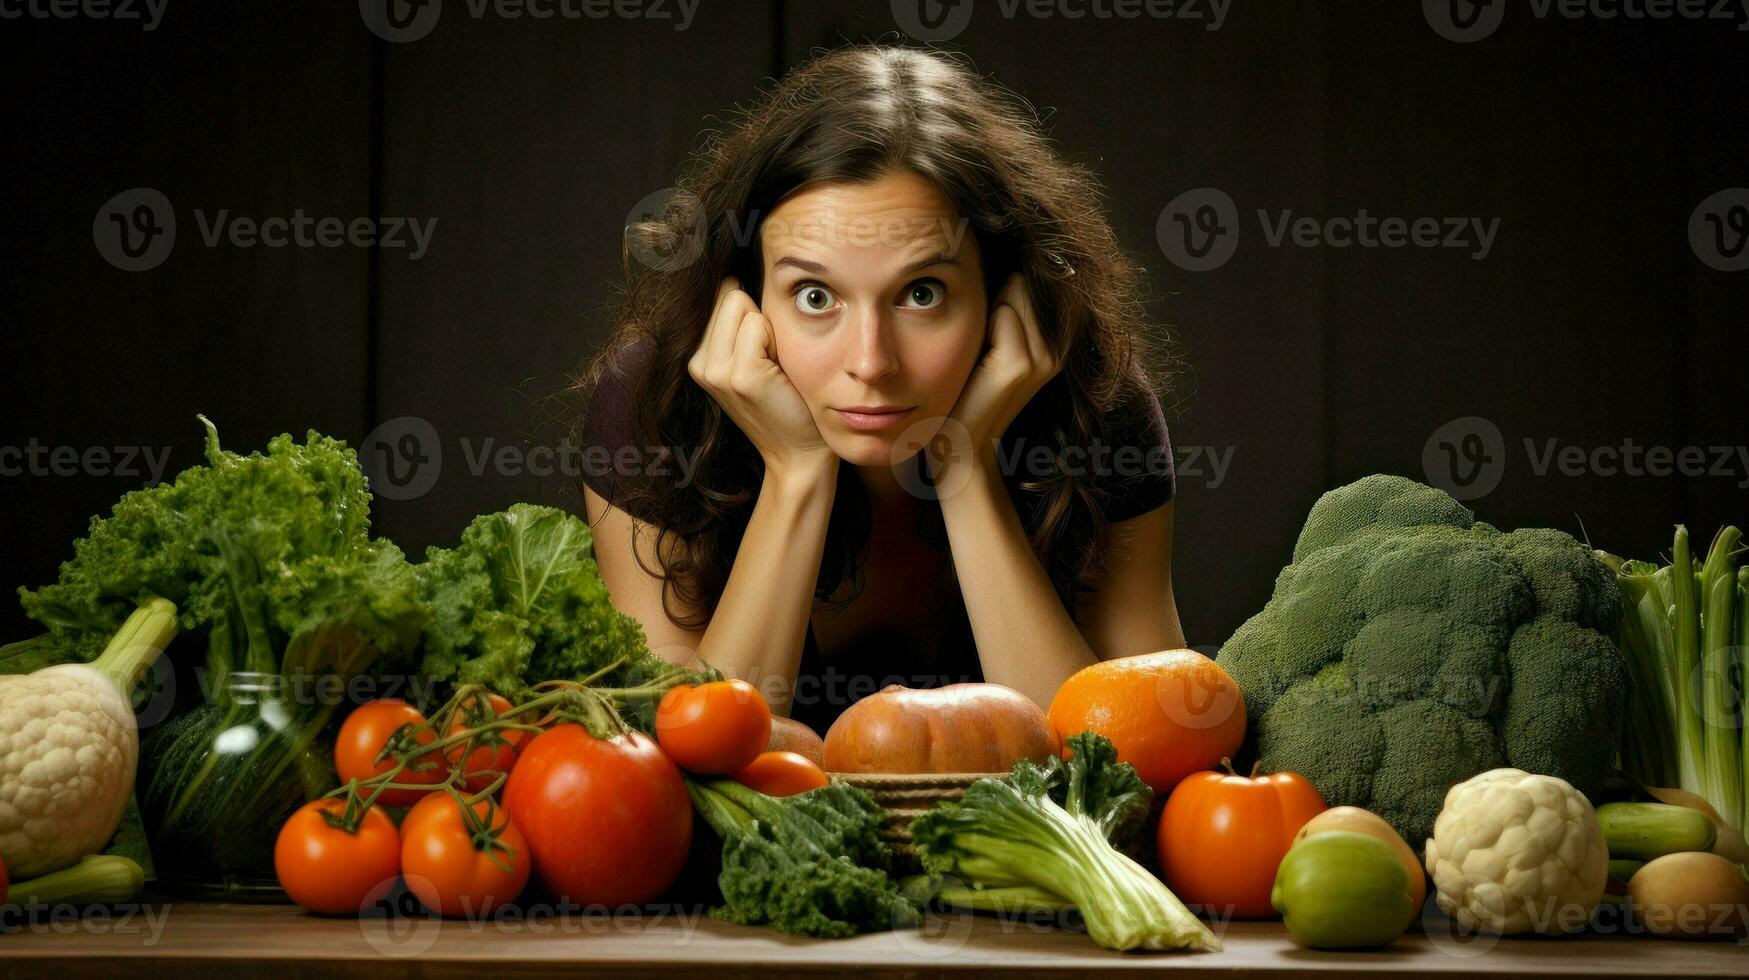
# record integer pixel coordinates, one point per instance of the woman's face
(875, 294)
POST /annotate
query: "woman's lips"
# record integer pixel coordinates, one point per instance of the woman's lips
(872, 421)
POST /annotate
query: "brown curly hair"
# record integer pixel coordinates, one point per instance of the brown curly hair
(849, 116)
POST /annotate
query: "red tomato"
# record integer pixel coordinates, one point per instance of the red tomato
(1222, 836)
(361, 740)
(330, 871)
(445, 867)
(782, 774)
(715, 728)
(494, 752)
(608, 821)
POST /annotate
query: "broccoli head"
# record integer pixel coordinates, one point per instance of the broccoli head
(1409, 647)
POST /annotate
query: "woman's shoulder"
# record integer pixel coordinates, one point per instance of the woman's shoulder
(607, 434)
(1135, 465)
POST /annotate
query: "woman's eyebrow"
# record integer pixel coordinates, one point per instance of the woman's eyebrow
(817, 268)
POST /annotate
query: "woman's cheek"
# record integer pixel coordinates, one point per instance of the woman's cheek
(805, 363)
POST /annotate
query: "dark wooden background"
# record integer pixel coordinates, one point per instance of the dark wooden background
(1591, 322)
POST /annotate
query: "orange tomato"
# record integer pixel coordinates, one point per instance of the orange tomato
(494, 752)
(1169, 714)
(715, 728)
(445, 867)
(782, 774)
(373, 725)
(331, 871)
(1222, 837)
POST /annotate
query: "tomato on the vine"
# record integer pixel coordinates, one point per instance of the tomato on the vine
(782, 774)
(455, 870)
(332, 871)
(608, 820)
(368, 729)
(494, 751)
(715, 728)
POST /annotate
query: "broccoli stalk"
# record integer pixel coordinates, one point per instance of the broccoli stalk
(809, 865)
(1051, 828)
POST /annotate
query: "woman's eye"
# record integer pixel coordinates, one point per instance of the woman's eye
(814, 299)
(926, 293)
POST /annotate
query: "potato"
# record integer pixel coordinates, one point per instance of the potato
(1690, 895)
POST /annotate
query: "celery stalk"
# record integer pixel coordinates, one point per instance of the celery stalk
(1646, 642)
(1685, 625)
(1722, 770)
(1742, 645)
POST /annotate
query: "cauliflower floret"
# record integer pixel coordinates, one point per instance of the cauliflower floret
(1515, 852)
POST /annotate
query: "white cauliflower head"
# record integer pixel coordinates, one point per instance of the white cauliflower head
(1515, 852)
(68, 748)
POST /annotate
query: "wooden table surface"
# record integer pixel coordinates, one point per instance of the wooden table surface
(200, 939)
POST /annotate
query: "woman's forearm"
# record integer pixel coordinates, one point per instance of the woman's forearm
(761, 622)
(1026, 640)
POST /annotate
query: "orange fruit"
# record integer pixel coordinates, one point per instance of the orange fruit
(1169, 714)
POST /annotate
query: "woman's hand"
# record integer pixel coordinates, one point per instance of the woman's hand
(1016, 363)
(735, 363)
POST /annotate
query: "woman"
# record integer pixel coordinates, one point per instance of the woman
(885, 255)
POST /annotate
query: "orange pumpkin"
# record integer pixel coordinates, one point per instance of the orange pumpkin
(1222, 837)
(956, 728)
(789, 735)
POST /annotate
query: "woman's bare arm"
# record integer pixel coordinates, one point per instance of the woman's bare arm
(760, 625)
(1133, 609)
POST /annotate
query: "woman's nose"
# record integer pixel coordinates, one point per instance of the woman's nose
(872, 356)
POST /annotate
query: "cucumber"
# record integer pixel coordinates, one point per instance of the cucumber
(1645, 831)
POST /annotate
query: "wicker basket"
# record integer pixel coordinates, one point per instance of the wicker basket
(906, 795)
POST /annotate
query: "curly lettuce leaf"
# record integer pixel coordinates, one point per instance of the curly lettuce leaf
(269, 555)
(521, 601)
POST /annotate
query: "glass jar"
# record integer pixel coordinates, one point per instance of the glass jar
(218, 778)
